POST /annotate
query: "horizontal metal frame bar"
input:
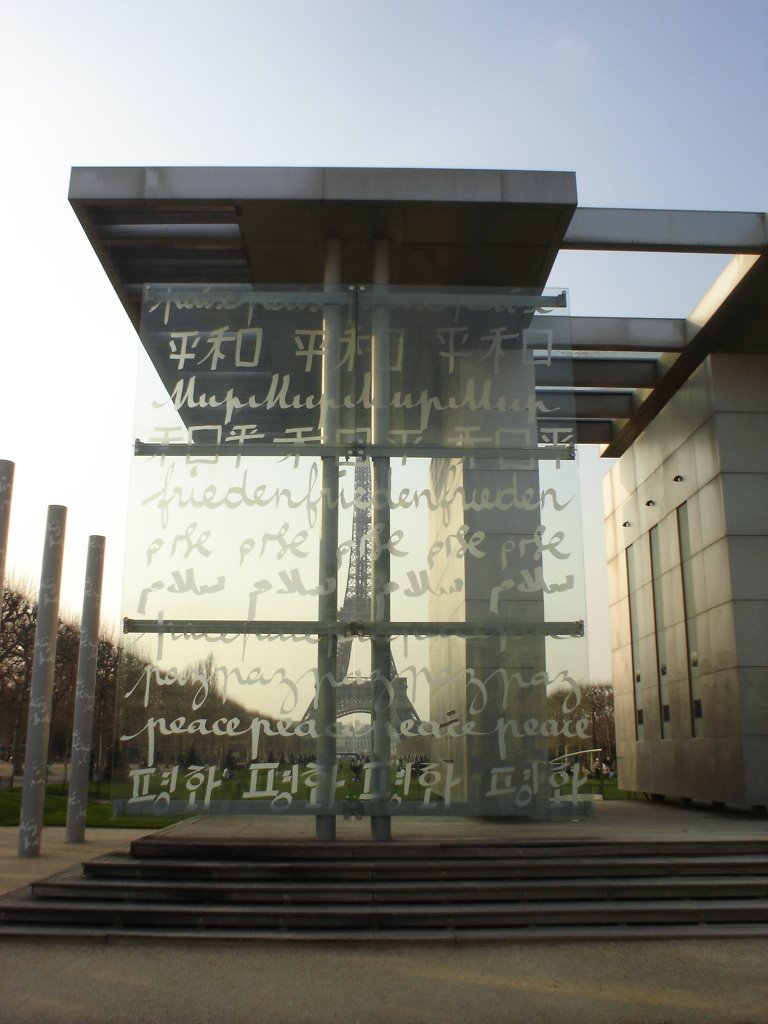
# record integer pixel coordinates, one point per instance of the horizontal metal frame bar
(313, 295)
(384, 295)
(547, 453)
(268, 627)
(368, 295)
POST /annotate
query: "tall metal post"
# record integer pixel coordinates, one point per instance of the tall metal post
(43, 662)
(381, 822)
(88, 655)
(325, 823)
(6, 490)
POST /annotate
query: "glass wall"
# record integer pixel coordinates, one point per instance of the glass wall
(353, 577)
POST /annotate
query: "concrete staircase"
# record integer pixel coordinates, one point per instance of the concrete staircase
(185, 889)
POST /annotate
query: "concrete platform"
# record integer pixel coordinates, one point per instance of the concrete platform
(614, 819)
(609, 819)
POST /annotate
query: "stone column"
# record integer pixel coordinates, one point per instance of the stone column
(6, 490)
(381, 822)
(39, 720)
(325, 823)
(77, 804)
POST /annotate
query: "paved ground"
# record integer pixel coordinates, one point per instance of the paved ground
(703, 981)
(56, 854)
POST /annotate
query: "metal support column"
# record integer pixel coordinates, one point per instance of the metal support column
(6, 490)
(382, 686)
(325, 823)
(43, 662)
(77, 805)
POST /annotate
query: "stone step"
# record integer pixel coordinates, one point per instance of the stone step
(413, 936)
(75, 886)
(420, 868)
(157, 847)
(109, 914)
(308, 890)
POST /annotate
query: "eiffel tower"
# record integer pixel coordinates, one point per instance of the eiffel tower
(357, 697)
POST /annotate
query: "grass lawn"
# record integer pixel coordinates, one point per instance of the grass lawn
(611, 790)
(55, 813)
(100, 809)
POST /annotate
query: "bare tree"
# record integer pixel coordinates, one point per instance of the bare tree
(596, 706)
(17, 643)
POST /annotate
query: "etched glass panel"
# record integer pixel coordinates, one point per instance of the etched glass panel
(352, 581)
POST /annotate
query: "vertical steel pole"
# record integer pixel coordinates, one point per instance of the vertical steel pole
(77, 805)
(325, 823)
(43, 663)
(6, 490)
(381, 822)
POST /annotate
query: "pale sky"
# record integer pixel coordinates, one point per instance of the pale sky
(660, 104)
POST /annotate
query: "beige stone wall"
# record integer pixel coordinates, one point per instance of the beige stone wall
(704, 451)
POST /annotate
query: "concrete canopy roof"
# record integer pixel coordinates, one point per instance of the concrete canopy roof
(445, 228)
(269, 225)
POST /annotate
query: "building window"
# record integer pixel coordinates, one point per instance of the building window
(689, 614)
(633, 576)
(660, 621)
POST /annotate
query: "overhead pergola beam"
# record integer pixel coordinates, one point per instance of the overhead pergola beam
(704, 231)
(579, 432)
(591, 405)
(734, 317)
(598, 373)
(630, 334)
